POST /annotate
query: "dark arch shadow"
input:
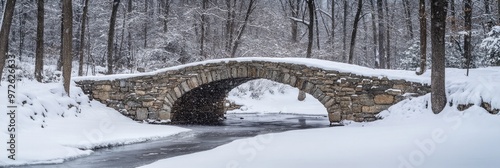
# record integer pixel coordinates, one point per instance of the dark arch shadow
(204, 105)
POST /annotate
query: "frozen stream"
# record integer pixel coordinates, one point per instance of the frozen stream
(199, 139)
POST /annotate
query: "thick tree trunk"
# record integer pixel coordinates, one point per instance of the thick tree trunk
(355, 30)
(67, 45)
(381, 34)
(4, 32)
(423, 37)
(438, 27)
(82, 37)
(39, 41)
(467, 36)
(111, 35)
(310, 27)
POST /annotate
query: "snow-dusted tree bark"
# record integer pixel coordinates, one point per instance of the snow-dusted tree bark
(111, 35)
(4, 32)
(39, 41)
(67, 45)
(355, 30)
(423, 37)
(438, 30)
(82, 37)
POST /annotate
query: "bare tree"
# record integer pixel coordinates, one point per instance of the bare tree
(438, 30)
(423, 37)
(374, 34)
(82, 37)
(202, 27)
(344, 32)
(67, 45)
(467, 36)
(241, 29)
(381, 34)
(310, 27)
(111, 35)
(355, 30)
(4, 32)
(39, 41)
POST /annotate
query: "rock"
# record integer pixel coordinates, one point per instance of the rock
(384, 99)
(141, 114)
(374, 109)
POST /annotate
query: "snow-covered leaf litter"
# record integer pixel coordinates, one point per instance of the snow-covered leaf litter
(52, 127)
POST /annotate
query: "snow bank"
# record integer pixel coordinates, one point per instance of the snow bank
(409, 136)
(52, 127)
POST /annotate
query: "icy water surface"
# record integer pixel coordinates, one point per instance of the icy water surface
(199, 139)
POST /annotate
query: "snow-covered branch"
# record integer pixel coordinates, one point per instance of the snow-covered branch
(299, 20)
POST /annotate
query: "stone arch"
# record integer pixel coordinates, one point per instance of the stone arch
(200, 99)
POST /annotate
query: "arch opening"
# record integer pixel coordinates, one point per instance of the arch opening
(206, 104)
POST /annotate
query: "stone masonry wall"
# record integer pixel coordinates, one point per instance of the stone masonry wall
(346, 96)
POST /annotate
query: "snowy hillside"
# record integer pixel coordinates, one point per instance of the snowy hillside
(408, 136)
(52, 127)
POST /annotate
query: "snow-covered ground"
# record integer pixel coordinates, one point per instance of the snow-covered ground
(52, 127)
(265, 96)
(408, 136)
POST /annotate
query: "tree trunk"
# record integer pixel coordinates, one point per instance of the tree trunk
(166, 11)
(22, 30)
(130, 51)
(467, 36)
(453, 21)
(310, 27)
(146, 23)
(409, 25)
(67, 45)
(295, 13)
(388, 36)
(203, 20)
(498, 10)
(39, 41)
(423, 37)
(333, 25)
(4, 32)
(374, 34)
(438, 27)
(355, 30)
(82, 37)
(111, 35)
(381, 34)
(344, 32)
(317, 25)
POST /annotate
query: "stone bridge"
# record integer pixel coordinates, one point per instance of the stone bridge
(195, 93)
